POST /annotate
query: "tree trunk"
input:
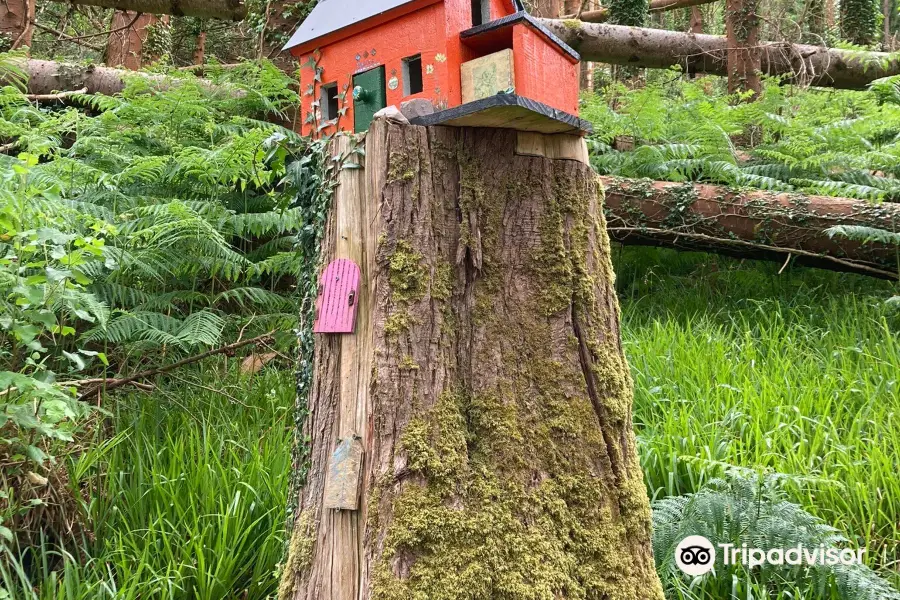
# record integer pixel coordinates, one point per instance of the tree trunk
(755, 224)
(127, 45)
(283, 17)
(859, 21)
(744, 58)
(16, 24)
(198, 57)
(628, 12)
(886, 39)
(658, 49)
(485, 385)
(816, 20)
(696, 20)
(232, 10)
(47, 77)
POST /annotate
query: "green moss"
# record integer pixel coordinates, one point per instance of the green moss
(435, 443)
(299, 557)
(407, 273)
(407, 363)
(400, 167)
(397, 323)
(559, 262)
(442, 282)
(510, 492)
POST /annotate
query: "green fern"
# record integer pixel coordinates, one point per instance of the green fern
(751, 508)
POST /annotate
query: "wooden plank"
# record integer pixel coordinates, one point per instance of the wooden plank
(342, 493)
(558, 147)
(343, 579)
(488, 75)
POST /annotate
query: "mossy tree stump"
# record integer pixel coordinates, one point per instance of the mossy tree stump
(485, 380)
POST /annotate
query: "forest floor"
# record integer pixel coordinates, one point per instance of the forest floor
(796, 373)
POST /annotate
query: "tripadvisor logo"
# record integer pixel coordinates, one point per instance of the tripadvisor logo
(695, 555)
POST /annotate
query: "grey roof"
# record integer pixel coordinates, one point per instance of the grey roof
(332, 15)
(520, 17)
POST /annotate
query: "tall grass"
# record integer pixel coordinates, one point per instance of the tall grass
(797, 373)
(733, 363)
(191, 500)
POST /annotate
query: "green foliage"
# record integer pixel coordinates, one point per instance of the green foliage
(859, 21)
(799, 375)
(838, 143)
(186, 496)
(134, 229)
(628, 12)
(745, 508)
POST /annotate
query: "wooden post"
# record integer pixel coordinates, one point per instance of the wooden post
(485, 381)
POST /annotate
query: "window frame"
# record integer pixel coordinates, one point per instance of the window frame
(407, 75)
(325, 102)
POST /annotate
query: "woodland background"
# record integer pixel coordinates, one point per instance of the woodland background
(158, 251)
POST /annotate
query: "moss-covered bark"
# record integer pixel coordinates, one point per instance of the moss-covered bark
(500, 458)
(751, 224)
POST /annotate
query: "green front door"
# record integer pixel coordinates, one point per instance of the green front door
(368, 97)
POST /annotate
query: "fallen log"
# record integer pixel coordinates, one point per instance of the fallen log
(750, 224)
(47, 78)
(701, 53)
(232, 10)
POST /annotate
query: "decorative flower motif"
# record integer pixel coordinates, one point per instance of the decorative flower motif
(441, 58)
(429, 69)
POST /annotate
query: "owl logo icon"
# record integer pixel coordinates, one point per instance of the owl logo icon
(695, 555)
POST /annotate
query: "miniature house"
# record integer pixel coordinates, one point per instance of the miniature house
(483, 63)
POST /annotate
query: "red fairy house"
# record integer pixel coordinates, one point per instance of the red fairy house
(483, 63)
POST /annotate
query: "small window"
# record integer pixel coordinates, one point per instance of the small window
(412, 75)
(481, 12)
(328, 102)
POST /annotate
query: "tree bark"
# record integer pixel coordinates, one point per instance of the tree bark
(232, 10)
(198, 57)
(658, 49)
(886, 30)
(126, 45)
(16, 24)
(816, 21)
(743, 56)
(485, 384)
(48, 77)
(696, 20)
(750, 224)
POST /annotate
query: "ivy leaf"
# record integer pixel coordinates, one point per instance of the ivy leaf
(75, 360)
(35, 454)
(58, 274)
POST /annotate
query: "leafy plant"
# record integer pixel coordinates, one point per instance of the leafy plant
(836, 143)
(747, 508)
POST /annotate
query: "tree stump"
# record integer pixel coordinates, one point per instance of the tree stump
(485, 383)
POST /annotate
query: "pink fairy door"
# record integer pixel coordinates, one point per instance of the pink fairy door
(338, 297)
